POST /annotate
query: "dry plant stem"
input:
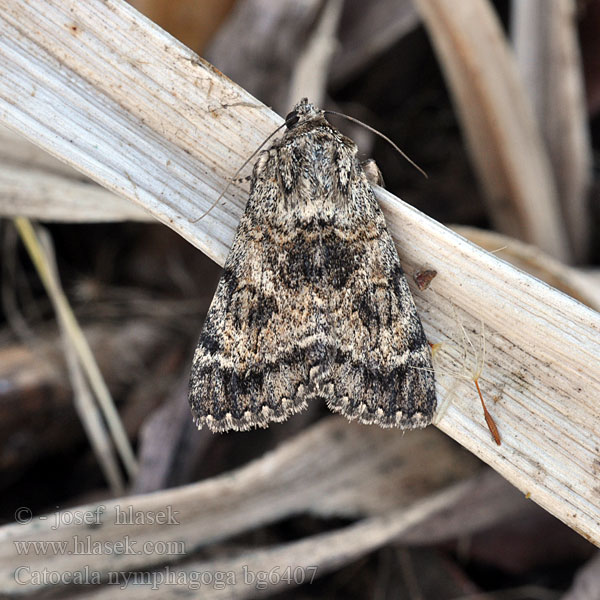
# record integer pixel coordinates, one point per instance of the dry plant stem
(547, 52)
(44, 196)
(535, 592)
(10, 266)
(195, 23)
(34, 372)
(142, 115)
(317, 554)
(78, 340)
(581, 285)
(310, 73)
(17, 151)
(91, 418)
(332, 469)
(261, 32)
(369, 30)
(34, 184)
(504, 140)
(82, 396)
(586, 585)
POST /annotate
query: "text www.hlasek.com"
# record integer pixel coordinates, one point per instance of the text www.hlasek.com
(87, 546)
(189, 578)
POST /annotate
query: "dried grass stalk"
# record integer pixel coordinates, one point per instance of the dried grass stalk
(505, 143)
(110, 93)
(547, 52)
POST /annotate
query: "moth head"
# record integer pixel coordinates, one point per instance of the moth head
(303, 111)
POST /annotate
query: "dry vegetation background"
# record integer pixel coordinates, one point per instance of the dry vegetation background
(504, 118)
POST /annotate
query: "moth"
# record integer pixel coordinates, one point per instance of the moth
(313, 304)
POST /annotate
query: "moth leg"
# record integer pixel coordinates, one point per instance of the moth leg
(374, 176)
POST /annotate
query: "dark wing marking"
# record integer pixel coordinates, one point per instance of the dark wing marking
(263, 346)
(382, 372)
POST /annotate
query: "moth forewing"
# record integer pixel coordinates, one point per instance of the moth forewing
(313, 303)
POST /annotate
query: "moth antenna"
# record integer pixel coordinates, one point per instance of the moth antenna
(232, 179)
(381, 135)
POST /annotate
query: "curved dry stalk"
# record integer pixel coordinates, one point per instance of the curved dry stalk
(85, 357)
(547, 52)
(311, 557)
(331, 469)
(502, 134)
(138, 112)
(45, 196)
(577, 283)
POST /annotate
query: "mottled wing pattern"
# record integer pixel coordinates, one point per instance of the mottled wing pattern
(312, 303)
(382, 371)
(264, 342)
